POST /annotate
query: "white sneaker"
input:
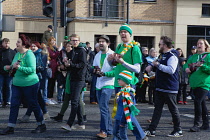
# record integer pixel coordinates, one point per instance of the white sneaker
(46, 116)
(189, 97)
(66, 127)
(50, 102)
(81, 126)
(55, 103)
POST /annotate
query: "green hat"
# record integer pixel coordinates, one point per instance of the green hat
(126, 76)
(126, 27)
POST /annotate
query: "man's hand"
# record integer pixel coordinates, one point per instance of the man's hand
(155, 63)
(110, 57)
(16, 65)
(149, 68)
(8, 67)
(67, 63)
(119, 58)
(187, 70)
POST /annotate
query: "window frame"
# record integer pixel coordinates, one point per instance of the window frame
(145, 1)
(205, 5)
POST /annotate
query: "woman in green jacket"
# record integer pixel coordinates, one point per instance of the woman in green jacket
(25, 83)
(198, 66)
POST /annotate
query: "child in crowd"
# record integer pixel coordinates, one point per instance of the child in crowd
(61, 79)
(126, 110)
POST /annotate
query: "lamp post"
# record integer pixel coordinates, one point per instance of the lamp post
(1, 17)
(127, 12)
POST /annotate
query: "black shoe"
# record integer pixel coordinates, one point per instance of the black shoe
(84, 118)
(58, 118)
(7, 131)
(175, 134)
(149, 133)
(204, 127)
(144, 101)
(40, 129)
(194, 129)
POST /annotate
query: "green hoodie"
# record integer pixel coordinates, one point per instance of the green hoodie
(201, 77)
(26, 73)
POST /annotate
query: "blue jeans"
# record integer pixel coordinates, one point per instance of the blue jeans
(6, 82)
(60, 93)
(43, 87)
(30, 95)
(103, 97)
(41, 103)
(120, 133)
(208, 94)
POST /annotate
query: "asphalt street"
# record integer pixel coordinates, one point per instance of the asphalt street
(54, 131)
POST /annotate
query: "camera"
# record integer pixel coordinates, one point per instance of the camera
(13, 70)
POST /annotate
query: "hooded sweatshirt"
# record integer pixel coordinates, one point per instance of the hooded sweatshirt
(78, 63)
(201, 77)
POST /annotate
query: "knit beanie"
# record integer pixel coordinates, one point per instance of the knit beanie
(126, 27)
(126, 76)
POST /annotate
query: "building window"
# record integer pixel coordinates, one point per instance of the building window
(206, 10)
(194, 33)
(106, 9)
(145, 41)
(34, 36)
(145, 0)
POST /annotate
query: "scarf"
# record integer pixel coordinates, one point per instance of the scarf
(128, 46)
(129, 107)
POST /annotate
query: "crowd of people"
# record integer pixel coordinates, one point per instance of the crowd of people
(28, 76)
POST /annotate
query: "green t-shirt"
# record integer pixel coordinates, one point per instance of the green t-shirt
(103, 56)
(26, 73)
(134, 58)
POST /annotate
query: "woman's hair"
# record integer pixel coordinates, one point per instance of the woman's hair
(182, 55)
(36, 43)
(151, 51)
(49, 43)
(207, 49)
(45, 50)
(26, 41)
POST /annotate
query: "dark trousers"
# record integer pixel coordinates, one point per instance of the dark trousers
(182, 92)
(200, 108)
(160, 99)
(76, 88)
(93, 97)
(141, 92)
(151, 90)
(51, 86)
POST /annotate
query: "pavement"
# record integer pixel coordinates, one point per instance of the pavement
(54, 131)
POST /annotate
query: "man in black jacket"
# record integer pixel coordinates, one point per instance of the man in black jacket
(6, 57)
(77, 63)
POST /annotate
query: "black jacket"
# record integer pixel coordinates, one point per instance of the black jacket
(78, 63)
(6, 57)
